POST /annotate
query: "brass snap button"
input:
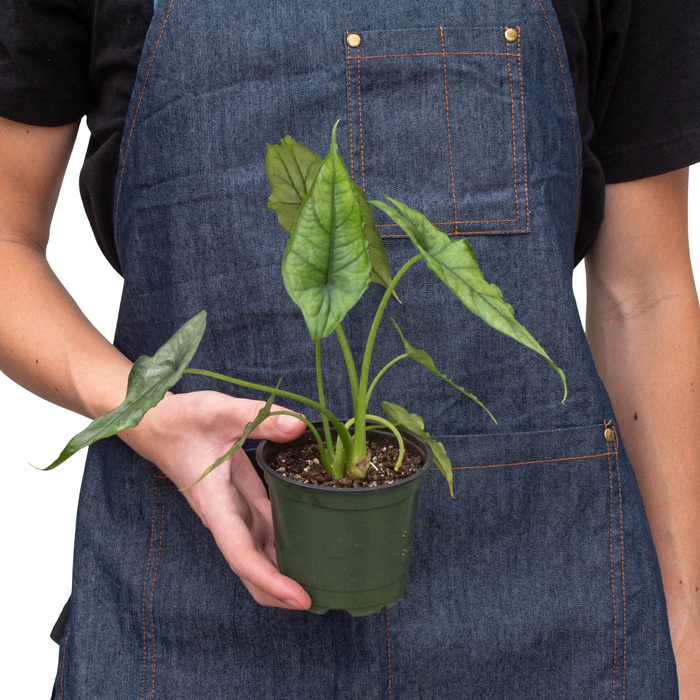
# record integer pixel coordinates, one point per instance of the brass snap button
(511, 35)
(353, 40)
(609, 435)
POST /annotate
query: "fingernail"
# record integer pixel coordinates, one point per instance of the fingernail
(287, 424)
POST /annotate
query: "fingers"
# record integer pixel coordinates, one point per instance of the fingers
(262, 578)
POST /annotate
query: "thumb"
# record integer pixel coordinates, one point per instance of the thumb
(276, 428)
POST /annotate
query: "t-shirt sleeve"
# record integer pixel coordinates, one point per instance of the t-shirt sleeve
(651, 124)
(44, 61)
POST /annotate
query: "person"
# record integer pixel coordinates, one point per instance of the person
(540, 579)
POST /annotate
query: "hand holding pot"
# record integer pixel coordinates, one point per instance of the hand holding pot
(186, 433)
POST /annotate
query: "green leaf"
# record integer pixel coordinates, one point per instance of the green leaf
(381, 268)
(422, 358)
(454, 262)
(149, 380)
(290, 168)
(326, 266)
(263, 413)
(401, 418)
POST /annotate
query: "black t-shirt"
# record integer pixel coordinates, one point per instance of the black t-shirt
(635, 66)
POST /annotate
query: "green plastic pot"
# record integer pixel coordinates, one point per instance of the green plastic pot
(350, 548)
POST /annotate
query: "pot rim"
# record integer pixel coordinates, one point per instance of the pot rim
(345, 492)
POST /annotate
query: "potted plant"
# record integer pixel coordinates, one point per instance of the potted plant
(343, 479)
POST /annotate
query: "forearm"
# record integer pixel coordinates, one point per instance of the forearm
(46, 343)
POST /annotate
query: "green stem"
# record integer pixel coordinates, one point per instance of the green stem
(349, 360)
(322, 400)
(360, 440)
(343, 432)
(312, 428)
(398, 435)
(379, 375)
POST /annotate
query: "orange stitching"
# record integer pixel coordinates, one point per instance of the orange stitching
(537, 461)
(448, 53)
(145, 586)
(359, 112)
(622, 554)
(463, 233)
(388, 642)
(449, 136)
(153, 590)
(571, 111)
(63, 662)
(515, 161)
(612, 577)
(522, 114)
(445, 223)
(136, 114)
(352, 162)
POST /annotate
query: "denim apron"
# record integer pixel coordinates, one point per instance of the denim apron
(540, 579)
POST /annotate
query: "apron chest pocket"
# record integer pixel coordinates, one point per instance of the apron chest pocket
(437, 121)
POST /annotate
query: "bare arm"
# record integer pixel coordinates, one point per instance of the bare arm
(643, 326)
(49, 347)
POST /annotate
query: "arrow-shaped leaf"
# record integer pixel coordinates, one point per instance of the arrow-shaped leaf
(422, 358)
(454, 262)
(400, 417)
(149, 380)
(263, 413)
(326, 266)
(291, 168)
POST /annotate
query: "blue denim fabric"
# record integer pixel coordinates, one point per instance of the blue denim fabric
(540, 580)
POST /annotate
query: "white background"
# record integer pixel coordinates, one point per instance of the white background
(37, 518)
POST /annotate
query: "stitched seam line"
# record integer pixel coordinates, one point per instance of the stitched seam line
(536, 461)
(153, 590)
(445, 223)
(447, 53)
(622, 555)
(359, 112)
(388, 644)
(145, 587)
(136, 114)
(447, 112)
(352, 160)
(512, 119)
(571, 110)
(63, 661)
(462, 233)
(522, 114)
(612, 577)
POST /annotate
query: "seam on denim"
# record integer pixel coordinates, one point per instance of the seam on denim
(449, 135)
(153, 590)
(622, 557)
(446, 53)
(63, 660)
(462, 233)
(571, 109)
(145, 588)
(612, 577)
(352, 159)
(388, 643)
(535, 461)
(359, 114)
(133, 121)
(512, 119)
(522, 114)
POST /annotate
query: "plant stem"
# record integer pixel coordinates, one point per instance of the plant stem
(349, 361)
(397, 434)
(380, 373)
(312, 428)
(322, 400)
(360, 440)
(343, 433)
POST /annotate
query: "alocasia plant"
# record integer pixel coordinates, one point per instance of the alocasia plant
(333, 254)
